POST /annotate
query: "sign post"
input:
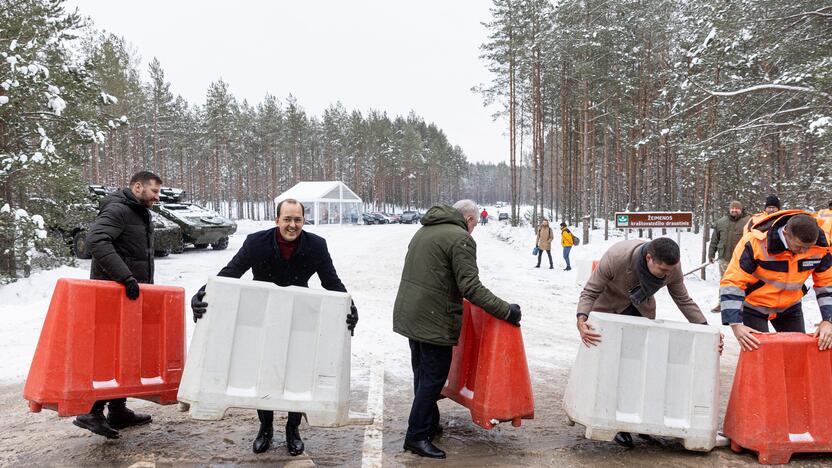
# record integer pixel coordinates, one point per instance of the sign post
(627, 220)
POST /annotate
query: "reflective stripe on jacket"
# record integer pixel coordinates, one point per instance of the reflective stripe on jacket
(769, 278)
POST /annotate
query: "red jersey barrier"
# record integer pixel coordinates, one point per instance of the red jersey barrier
(489, 374)
(780, 403)
(96, 344)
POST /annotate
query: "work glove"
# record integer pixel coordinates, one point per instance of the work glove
(198, 306)
(352, 319)
(131, 288)
(513, 315)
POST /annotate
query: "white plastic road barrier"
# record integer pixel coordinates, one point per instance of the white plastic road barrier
(261, 346)
(583, 270)
(646, 376)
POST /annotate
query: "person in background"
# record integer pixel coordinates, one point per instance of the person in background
(544, 242)
(483, 217)
(772, 206)
(727, 232)
(566, 241)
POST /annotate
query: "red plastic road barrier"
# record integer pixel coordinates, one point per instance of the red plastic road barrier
(780, 401)
(98, 345)
(489, 374)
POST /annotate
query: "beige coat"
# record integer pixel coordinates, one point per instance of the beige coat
(544, 238)
(607, 289)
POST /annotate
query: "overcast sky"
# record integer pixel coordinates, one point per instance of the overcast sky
(387, 55)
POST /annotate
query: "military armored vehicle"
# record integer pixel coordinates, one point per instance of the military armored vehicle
(167, 236)
(200, 227)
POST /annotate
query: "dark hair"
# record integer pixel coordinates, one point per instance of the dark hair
(830, 204)
(804, 227)
(664, 250)
(144, 177)
(290, 201)
(562, 224)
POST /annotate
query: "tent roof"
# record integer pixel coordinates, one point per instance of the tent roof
(312, 191)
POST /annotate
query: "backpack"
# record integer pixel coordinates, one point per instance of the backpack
(575, 239)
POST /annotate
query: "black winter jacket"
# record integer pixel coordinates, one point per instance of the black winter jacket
(121, 240)
(261, 254)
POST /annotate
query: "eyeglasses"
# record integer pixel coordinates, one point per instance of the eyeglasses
(289, 220)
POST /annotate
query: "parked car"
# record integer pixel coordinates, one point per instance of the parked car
(502, 217)
(394, 218)
(381, 217)
(410, 217)
(200, 227)
(368, 218)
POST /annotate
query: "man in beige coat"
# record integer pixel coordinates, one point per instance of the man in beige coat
(627, 277)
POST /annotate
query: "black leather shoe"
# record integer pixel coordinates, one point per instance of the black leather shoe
(624, 439)
(96, 423)
(423, 448)
(263, 440)
(121, 417)
(294, 444)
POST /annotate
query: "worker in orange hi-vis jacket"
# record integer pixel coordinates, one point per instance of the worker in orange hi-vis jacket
(765, 280)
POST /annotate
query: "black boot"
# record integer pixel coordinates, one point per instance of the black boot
(264, 439)
(294, 444)
(96, 423)
(121, 417)
(423, 448)
(624, 439)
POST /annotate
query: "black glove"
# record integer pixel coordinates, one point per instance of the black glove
(352, 319)
(198, 306)
(131, 287)
(513, 315)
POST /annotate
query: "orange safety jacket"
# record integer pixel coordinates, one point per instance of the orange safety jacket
(765, 276)
(756, 218)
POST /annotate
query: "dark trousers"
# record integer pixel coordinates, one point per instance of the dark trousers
(267, 418)
(431, 364)
(99, 405)
(540, 256)
(631, 311)
(790, 320)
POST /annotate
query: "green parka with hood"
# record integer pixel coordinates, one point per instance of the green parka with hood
(440, 269)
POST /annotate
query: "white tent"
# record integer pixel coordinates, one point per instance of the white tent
(326, 202)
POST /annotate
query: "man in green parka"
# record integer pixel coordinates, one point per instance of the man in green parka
(728, 231)
(440, 269)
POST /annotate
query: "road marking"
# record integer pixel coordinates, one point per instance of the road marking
(373, 435)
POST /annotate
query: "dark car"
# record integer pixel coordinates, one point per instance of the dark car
(410, 217)
(368, 218)
(382, 219)
(502, 217)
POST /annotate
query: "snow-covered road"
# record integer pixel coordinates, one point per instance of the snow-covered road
(369, 261)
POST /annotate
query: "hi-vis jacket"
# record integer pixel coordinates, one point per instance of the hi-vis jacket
(769, 278)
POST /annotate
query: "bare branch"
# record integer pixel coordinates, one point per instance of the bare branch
(768, 87)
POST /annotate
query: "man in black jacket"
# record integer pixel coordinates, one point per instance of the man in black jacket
(121, 243)
(285, 256)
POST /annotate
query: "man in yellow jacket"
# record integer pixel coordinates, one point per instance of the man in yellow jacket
(566, 242)
(765, 281)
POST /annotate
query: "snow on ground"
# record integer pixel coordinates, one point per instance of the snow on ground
(369, 261)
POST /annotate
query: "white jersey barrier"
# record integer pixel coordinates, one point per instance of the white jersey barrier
(646, 376)
(583, 270)
(262, 346)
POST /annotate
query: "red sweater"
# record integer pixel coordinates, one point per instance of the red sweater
(287, 249)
